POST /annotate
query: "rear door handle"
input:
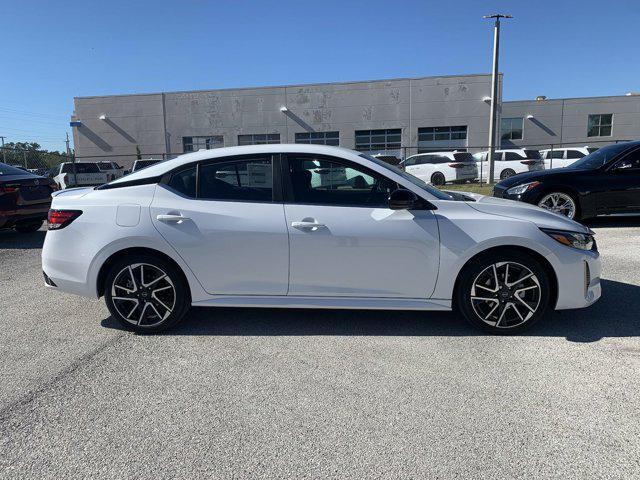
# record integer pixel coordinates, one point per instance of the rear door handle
(172, 218)
(307, 225)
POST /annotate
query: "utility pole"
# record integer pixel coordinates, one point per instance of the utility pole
(4, 154)
(73, 166)
(494, 92)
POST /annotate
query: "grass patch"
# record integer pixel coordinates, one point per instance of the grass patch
(482, 189)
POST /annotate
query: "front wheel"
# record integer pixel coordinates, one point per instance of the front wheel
(562, 203)
(503, 293)
(146, 293)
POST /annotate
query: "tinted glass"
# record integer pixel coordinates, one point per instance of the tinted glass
(603, 156)
(81, 168)
(9, 170)
(511, 156)
(184, 182)
(557, 154)
(321, 181)
(534, 154)
(574, 154)
(248, 180)
(463, 157)
(631, 162)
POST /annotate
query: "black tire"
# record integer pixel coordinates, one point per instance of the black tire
(577, 216)
(28, 227)
(506, 173)
(157, 294)
(438, 179)
(517, 316)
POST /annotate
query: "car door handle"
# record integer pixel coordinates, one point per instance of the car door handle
(171, 218)
(307, 225)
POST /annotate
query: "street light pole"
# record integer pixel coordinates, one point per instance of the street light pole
(494, 93)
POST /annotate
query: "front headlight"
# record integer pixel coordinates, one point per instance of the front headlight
(582, 241)
(520, 189)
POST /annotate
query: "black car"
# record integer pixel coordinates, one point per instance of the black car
(25, 199)
(603, 182)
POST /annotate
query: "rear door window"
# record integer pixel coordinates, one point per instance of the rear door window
(245, 180)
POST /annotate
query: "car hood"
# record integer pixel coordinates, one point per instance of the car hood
(538, 175)
(524, 211)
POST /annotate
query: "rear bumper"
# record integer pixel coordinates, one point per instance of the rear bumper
(9, 218)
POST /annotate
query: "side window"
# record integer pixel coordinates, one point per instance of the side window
(324, 181)
(184, 182)
(410, 161)
(630, 162)
(428, 159)
(249, 179)
(510, 156)
(574, 154)
(558, 154)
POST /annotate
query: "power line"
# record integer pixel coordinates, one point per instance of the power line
(25, 112)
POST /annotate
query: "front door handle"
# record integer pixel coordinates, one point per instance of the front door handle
(307, 225)
(172, 218)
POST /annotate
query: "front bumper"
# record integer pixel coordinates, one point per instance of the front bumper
(579, 280)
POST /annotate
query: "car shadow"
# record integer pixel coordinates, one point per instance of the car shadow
(615, 315)
(12, 240)
(619, 221)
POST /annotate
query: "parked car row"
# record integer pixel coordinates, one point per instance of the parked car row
(439, 168)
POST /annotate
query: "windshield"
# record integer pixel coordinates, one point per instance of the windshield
(600, 157)
(9, 170)
(440, 195)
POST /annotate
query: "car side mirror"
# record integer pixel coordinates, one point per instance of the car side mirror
(402, 199)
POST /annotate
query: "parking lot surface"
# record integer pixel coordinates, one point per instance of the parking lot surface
(249, 393)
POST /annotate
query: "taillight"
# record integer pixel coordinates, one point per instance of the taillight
(9, 188)
(58, 219)
(529, 162)
(456, 165)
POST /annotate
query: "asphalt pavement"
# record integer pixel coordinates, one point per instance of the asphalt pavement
(251, 393)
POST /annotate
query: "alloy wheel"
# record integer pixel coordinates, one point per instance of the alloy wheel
(143, 294)
(505, 295)
(559, 202)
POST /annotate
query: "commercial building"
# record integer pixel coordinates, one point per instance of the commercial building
(394, 117)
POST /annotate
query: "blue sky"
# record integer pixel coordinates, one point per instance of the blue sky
(55, 50)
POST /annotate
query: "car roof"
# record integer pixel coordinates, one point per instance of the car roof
(167, 165)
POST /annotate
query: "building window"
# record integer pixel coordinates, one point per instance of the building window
(319, 138)
(511, 128)
(259, 139)
(379, 141)
(193, 144)
(442, 138)
(431, 134)
(599, 125)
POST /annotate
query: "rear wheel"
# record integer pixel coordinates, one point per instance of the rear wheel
(28, 227)
(506, 173)
(562, 203)
(438, 179)
(146, 293)
(503, 293)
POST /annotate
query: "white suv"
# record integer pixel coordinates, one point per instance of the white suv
(439, 168)
(563, 157)
(508, 163)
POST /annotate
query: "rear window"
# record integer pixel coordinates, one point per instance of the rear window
(105, 165)
(535, 154)
(9, 170)
(511, 156)
(463, 157)
(81, 168)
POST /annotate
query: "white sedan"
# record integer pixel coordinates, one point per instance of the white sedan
(248, 227)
